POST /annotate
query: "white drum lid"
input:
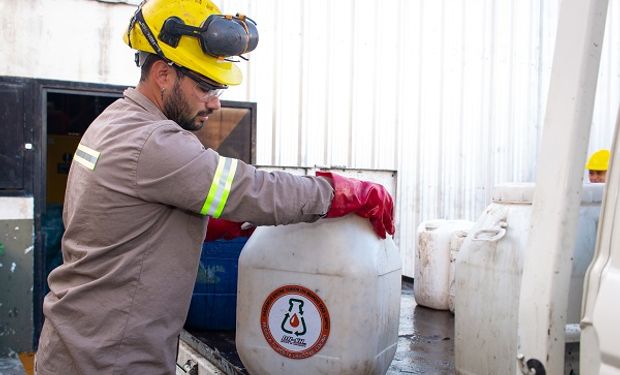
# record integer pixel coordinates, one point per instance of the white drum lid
(523, 193)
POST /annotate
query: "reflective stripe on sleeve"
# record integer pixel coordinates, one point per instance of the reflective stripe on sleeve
(220, 187)
(86, 156)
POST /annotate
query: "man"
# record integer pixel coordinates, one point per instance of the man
(597, 166)
(142, 188)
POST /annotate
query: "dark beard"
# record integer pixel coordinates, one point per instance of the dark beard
(177, 110)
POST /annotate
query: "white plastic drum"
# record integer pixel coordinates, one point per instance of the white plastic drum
(320, 298)
(432, 264)
(488, 277)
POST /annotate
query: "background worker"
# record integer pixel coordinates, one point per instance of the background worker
(142, 187)
(597, 166)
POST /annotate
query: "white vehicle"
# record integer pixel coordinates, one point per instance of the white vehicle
(600, 331)
(546, 271)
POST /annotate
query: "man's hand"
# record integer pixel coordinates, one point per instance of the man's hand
(365, 199)
(218, 229)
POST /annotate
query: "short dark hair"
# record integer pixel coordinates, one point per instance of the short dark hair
(145, 67)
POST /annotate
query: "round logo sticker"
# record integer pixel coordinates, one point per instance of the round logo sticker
(295, 321)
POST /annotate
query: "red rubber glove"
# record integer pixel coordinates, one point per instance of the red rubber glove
(218, 229)
(365, 199)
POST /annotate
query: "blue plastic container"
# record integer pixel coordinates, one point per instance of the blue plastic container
(214, 302)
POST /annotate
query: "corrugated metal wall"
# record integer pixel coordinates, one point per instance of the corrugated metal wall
(451, 94)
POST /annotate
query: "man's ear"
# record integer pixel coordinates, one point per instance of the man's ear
(162, 74)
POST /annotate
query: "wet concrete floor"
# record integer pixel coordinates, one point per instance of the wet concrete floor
(425, 339)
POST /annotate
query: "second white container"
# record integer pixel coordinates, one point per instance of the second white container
(488, 278)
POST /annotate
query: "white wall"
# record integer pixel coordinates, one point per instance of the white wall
(450, 93)
(73, 40)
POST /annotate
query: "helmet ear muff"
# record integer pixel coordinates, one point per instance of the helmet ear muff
(226, 36)
(219, 35)
(169, 33)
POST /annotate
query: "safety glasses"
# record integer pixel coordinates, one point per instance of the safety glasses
(204, 89)
(206, 94)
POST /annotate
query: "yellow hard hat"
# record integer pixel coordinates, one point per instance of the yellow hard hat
(599, 161)
(194, 35)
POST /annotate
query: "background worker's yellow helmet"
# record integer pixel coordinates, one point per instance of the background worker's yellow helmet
(599, 161)
(193, 34)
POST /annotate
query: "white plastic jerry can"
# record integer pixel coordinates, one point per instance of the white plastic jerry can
(318, 298)
(432, 261)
